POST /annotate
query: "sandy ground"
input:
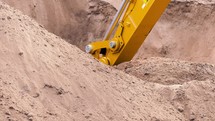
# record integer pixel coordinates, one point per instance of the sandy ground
(42, 77)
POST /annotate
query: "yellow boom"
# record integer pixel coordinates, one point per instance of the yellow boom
(131, 25)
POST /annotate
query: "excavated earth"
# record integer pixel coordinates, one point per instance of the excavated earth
(185, 31)
(76, 21)
(42, 77)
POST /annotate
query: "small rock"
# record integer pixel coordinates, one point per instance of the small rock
(8, 17)
(87, 117)
(20, 53)
(7, 113)
(60, 91)
(11, 119)
(36, 95)
(11, 108)
(192, 117)
(41, 26)
(29, 115)
(30, 118)
(180, 109)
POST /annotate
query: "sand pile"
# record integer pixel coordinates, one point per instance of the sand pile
(42, 77)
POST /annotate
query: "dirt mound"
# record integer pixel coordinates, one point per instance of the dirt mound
(168, 71)
(188, 86)
(44, 78)
(194, 99)
(185, 31)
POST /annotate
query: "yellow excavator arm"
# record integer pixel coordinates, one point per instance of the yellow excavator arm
(130, 27)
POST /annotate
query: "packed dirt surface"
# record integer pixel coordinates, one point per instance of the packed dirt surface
(168, 71)
(42, 77)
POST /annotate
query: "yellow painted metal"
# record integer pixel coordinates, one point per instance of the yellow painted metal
(136, 24)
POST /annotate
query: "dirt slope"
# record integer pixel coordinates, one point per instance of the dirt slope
(77, 21)
(44, 78)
